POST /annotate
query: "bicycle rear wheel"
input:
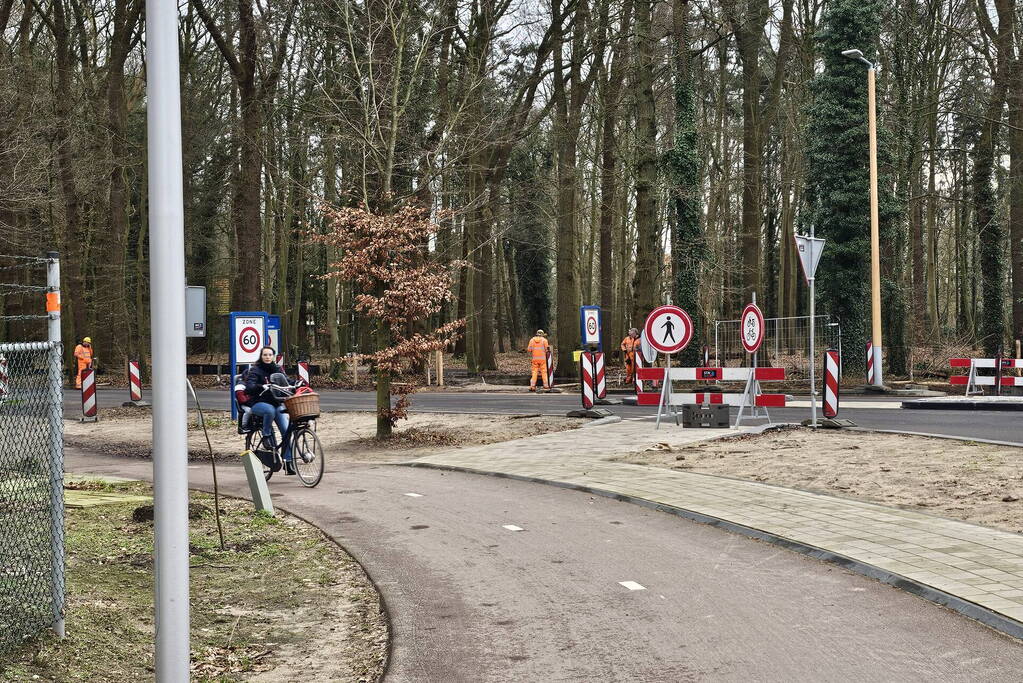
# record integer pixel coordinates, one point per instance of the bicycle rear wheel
(307, 456)
(259, 444)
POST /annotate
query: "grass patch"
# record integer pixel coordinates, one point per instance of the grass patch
(276, 589)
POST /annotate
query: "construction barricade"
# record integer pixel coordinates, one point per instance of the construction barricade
(972, 380)
(751, 397)
(134, 381)
(831, 376)
(89, 408)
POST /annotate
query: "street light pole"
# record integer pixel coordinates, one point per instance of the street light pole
(167, 306)
(875, 240)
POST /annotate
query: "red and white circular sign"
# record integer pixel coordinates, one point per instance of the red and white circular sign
(668, 329)
(249, 339)
(752, 328)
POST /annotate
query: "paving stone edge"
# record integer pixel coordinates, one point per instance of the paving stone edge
(988, 617)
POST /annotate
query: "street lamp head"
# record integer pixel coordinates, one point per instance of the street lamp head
(858, 56)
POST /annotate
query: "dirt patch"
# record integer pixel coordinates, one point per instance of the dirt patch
(979, 483)
(346, 437)
(281, 602)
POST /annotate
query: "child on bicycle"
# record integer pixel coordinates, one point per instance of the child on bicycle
(265, 404)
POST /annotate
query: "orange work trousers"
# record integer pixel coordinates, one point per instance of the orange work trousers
(82, 365)
(630, 366)
(539, 367)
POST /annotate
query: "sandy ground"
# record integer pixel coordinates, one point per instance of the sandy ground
(978, 483)
(346, 437)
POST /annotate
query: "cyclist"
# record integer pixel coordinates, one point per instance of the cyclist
(265, 402)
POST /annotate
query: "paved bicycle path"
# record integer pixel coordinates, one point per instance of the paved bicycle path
(975, 570)
(473, 600)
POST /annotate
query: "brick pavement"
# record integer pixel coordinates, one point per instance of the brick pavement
(966, 565)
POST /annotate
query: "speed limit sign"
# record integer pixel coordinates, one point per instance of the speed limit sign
(249, 335)
(752, 328)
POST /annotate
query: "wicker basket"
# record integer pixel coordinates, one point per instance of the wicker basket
(303, 407)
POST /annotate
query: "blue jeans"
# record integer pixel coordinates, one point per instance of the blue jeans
(267, 410)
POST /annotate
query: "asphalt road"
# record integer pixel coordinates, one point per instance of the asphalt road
(472, 600)
(993, 425)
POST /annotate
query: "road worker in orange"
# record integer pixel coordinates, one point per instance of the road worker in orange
(630, 345)
(83, 353)
(537, 348)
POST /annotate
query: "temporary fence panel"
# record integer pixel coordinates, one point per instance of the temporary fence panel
(786, 342)
(31, 492)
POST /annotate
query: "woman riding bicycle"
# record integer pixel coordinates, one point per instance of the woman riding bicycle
(265, 404)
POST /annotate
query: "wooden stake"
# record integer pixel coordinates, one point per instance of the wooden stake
(440, 366)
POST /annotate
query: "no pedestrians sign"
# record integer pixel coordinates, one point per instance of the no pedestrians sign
(668, 329)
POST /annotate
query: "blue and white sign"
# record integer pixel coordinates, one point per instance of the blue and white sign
(589, 321)
(273, 333)
(248, 334)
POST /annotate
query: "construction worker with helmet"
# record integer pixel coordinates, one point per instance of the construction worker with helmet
(538, 347)
(83, 353)
(630, 345)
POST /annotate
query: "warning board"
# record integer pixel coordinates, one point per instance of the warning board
(752, 328)
(668, 329)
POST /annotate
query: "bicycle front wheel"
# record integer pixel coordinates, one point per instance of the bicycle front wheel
(307, 456)
(256, 442)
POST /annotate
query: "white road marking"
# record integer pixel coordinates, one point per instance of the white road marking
(512, 527)
(632, 585)
(414, 495)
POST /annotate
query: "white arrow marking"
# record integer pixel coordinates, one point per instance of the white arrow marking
(512, 527)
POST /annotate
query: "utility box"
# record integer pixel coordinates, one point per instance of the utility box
(712, 415)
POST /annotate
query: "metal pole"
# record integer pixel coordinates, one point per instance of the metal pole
(167, 309)
(875, 246)
(813, 380)
(56, 381)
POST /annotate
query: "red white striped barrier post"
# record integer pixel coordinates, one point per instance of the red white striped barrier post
(280, 360)
(4, 379)
(593, 384)
(550, 369)
(134, 381)
(870, 363)
(830, 383)
(303, 372)
(89, 395)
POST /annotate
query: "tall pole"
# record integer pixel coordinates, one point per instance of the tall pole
(875, 246)
(167, 308)
(56, 380)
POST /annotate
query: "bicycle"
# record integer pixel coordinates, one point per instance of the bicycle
(306, 452)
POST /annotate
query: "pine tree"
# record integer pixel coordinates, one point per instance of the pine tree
(688, 250)
(838, 183)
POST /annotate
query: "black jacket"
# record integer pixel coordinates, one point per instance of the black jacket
(254, 378)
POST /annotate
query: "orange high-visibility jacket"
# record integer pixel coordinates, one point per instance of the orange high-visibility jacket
(629, 345)
(84, 355)
(538, 349)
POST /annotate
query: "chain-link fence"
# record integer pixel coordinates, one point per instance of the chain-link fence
(31, 491)
(786, 343)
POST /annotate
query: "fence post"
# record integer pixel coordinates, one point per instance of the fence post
(440, 367)
(56, 382)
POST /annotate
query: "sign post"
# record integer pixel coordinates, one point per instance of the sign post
(589, 323)
(810, 250)
(248, 335)
(668, 329)
(752, 335)
(273, 336)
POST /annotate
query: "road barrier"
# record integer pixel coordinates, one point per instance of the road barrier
(4, 379)
(751, 397)
(134, 381)
(831, 364)
(870, 363)
(972, 380)
(89, 408)
(594, 384)
(303, 372)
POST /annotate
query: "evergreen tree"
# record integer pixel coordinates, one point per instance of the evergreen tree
(838, 185)
(688, 250)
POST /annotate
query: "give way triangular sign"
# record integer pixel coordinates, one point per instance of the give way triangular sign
(810, 250)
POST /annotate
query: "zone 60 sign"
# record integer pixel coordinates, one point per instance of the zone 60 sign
(249, 334)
